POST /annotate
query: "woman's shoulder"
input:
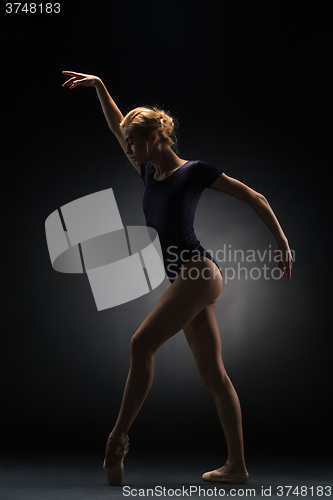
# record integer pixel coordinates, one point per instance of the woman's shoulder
(204, 173)
(198, 163)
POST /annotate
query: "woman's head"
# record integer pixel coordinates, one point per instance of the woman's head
(142, 121)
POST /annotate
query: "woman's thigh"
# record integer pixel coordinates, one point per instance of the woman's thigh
(197, 286)
(203, 337)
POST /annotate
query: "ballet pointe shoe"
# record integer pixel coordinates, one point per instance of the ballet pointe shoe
(115, 473)
(215, 475)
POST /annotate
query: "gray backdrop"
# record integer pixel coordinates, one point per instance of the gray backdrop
(249, 84)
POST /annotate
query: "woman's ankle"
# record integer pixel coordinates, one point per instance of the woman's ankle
(236, 465)
(118, 434)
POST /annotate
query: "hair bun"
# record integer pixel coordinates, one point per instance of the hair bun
(167, 123)
(144, 120)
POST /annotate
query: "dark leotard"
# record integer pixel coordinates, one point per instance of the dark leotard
(169, 206)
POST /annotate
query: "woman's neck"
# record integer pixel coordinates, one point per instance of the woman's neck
(165, 162)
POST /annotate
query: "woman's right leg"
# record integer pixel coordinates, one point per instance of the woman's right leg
(203, 336)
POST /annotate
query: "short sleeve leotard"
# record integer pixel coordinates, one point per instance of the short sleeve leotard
(169, 206)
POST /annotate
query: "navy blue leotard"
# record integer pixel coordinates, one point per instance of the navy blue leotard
(169, 206)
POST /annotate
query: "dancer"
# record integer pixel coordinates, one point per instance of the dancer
(173, 187)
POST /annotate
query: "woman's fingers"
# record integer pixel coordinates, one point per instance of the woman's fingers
(71, 73)
(285, 259)
(77, 82)
(289, 265)
(79, 79)
(69, 82)
(76, 78)
(286, 271)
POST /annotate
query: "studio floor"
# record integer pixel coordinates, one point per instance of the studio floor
(78, 477)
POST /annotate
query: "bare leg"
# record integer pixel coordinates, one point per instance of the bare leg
(204, 339)
(178, 306)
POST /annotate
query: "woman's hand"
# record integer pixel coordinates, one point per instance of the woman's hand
(80, 79)
(286, 259)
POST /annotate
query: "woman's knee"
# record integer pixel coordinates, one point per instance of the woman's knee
(140, 346)
(215, 378)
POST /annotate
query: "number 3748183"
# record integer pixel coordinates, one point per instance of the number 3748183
(33, 8)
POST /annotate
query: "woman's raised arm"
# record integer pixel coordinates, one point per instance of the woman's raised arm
(111, 111)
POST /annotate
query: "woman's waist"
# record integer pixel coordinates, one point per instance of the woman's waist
(179, 241)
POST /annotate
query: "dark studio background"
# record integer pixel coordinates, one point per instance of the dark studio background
(249, 83)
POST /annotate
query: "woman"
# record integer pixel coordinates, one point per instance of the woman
(173, 188)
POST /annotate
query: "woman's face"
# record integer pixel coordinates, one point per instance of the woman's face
(136, 147)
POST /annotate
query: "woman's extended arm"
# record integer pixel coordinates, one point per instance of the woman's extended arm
(261, 206)
(111, 111)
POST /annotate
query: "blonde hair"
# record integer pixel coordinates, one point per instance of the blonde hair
(143, 120)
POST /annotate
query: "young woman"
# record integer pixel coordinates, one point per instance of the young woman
(173, 187)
